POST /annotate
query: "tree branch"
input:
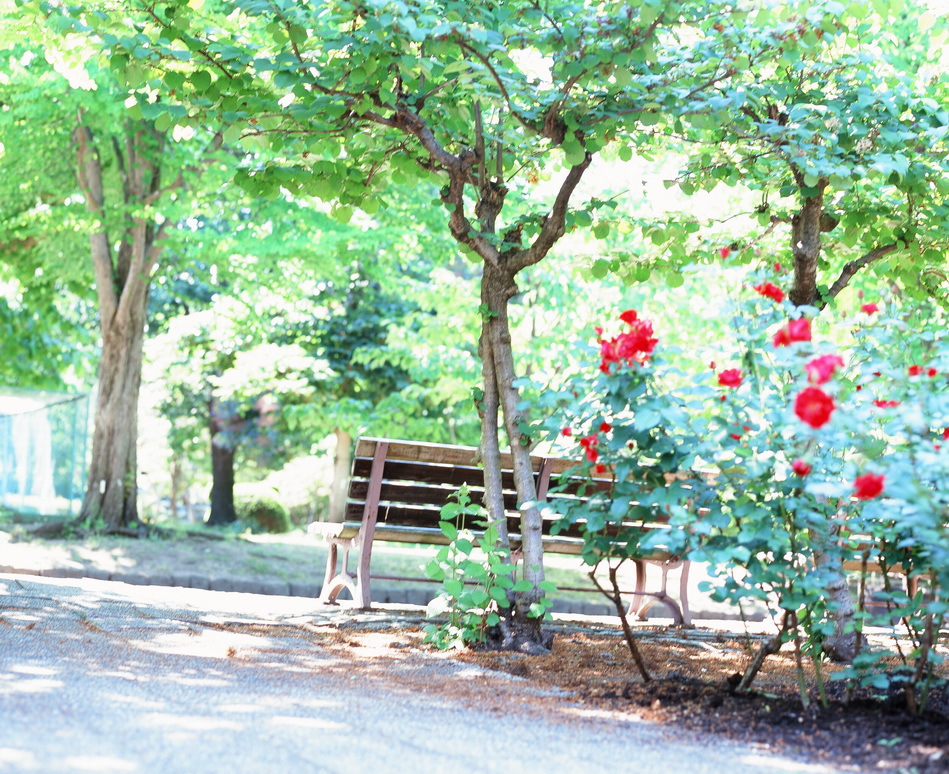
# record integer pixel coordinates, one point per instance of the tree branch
(89, 172)
(554, 225)
(851, 268)
(504, 92)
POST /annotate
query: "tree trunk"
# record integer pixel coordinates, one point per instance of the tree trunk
(122, 280)
(342, 463)
(523, 631)
(806, 246)
(841, 646)
(111, 491)
(222, 474)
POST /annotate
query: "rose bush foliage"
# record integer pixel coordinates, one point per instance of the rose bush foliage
(794, 458)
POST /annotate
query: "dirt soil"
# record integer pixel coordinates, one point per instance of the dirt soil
(691, 692)
(590, 666)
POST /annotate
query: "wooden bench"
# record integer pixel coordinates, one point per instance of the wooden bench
(397, 491)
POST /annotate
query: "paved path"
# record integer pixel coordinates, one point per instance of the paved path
(103, 677)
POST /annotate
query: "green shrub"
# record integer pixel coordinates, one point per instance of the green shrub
(262, 513)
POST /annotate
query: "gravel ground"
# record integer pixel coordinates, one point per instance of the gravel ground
(105, 677)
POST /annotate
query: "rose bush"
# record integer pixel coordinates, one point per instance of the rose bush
(782, 469)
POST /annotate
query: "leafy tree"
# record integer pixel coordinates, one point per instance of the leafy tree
(44, 313)
(228, 378)
(481, 99)
(845, 145)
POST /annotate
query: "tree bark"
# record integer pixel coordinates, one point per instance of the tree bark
(112, 488)
(806, 246)
(122, 287)
(222, 473)
(523, 631)
(841, 646)
(342, 464)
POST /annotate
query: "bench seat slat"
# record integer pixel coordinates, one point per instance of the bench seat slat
(397, 491)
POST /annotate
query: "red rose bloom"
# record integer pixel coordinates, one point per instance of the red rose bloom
(886, 403)
(868, 486)
(820, 369)
(945, 434)
(589, 443)
(633, 346)
(931, 372)
(800, 329)
(869, 309)
(800, 467)
(567, 432)
(605, 427)
(730, 378)
(795, 330)
(813, 406)
(782, 338)
(724, 252)
(914, 370)
(770, 290)
(599, 469)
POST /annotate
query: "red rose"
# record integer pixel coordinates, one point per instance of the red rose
(886, 403)
(945, 434)
(820, 369)
(730, 378)
(599, 469)
(782, 338)
(770, 290)
(633, 346)
(724, 252)
(566, 432)
(795, 330)
(605, 427)
(800, 467)
(931, 372)
(914, 370)
(813, 406)
(800, 329)
(868, 486)
(869, 309)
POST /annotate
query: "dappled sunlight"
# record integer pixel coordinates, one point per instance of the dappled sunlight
(780, 764)
(313, 724)
(208, 643)
(18, 760)
(11, 684)
(99, 764)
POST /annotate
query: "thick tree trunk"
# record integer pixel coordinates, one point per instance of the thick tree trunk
(111, 491)
(523, 631)
(122, 279)
(841, 646)
(222, 474)
(806, 247)
(342, 463)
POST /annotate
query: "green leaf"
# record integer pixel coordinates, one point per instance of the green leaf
(297, 34)
(448, 529)
(200, 80)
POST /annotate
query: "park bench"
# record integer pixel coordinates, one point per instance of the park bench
(398, 489)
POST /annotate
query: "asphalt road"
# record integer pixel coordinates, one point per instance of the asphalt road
(97, 676)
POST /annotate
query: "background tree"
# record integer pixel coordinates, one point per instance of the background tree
(355, 97)
(842, 139)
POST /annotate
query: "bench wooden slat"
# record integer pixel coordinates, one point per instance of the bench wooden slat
(398, 489)
(443, 454)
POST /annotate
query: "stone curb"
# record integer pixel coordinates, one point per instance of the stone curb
(401, 594)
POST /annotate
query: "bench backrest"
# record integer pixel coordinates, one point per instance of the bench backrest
(410, 482)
